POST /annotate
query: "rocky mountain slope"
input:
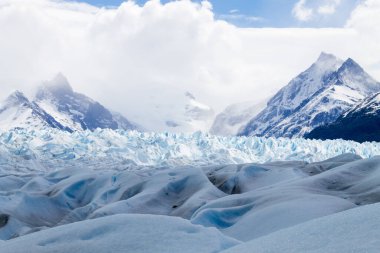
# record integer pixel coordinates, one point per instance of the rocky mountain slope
(361, 123)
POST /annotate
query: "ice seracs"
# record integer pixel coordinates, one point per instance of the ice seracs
(315, 97)
(27, 150)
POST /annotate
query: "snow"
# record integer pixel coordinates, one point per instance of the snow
(327, 106)
(63, 118)
(369, 105)
(25, 151)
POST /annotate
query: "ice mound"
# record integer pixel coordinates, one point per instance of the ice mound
(356, 230)
(123, 233)
(23, 151)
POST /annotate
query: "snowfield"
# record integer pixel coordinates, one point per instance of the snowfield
(281, 206)
(25, 151)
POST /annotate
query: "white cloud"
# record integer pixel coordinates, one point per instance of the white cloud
(240, 17)
(365, 22)
(139, 59)
(301, 12)
(305, 10)
(329, 7)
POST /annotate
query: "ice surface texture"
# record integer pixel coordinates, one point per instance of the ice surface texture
(123, 234)
(164, 209)
(25, 151)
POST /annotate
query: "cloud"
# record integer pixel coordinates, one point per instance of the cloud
(329, 7)
(304, 11)
(140, 60)
(365, 22)
(301, 12)
(240, 17)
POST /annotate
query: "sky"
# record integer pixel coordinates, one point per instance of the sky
(271, 13)
(138, 57)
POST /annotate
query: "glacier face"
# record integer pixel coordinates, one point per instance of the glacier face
(23, 151)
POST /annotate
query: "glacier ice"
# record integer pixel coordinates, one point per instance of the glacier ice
(80, 208)
(355, 230)
(123, 234)
(24, 151)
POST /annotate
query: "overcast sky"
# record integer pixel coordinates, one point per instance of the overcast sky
(134, 55)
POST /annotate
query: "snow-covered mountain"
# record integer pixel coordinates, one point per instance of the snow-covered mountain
(316, 97)
(56, 105)
(236, 116)
(361, 123)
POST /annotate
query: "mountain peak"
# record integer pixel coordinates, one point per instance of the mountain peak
(17, 97)
(189, 95)
(326, 57)
(59, 85)
(352, 65)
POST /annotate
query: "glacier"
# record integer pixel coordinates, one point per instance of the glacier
(213, 208)
(25, 151)
(129, 191)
